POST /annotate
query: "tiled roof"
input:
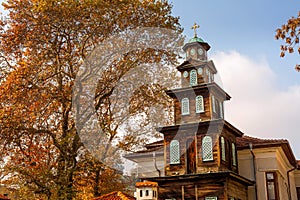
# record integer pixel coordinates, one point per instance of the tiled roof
(2, 197)
(156, 149)
(243, 143)
(117, 195)
(146, 184)
(159, 143)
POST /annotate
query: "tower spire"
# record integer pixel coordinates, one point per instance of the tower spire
(195, 27)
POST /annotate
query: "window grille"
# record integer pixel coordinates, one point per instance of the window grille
(199, 104)
(207, 151)
(174, 152)
(185, 107)
(193, 77)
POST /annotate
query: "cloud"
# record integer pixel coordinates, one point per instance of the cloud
(259, 107)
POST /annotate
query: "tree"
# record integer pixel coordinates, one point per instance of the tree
(43, 43)
(290, 33)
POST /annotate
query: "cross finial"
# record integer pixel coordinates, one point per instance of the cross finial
(195, 27)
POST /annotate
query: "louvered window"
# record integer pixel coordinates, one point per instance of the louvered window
(223, 149)
(185, 107)
(174, 152)
(233, 154)
(193, 77)
(207, 151)
(199, 104)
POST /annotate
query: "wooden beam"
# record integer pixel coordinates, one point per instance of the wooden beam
(182, 192)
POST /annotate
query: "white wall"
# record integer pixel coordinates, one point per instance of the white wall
(267, 160)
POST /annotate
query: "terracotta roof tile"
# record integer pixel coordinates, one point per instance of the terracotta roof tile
(117, 195)
(243, 142)
(146, 184)
(2, 197)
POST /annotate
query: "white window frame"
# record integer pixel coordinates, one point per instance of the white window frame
(193, 77)
(213, 102)
(174, 152)
(223, 149)
(199, 104)
(185, 106)
(221, 109)
(233, 149)
(208, 75)
(207, 149)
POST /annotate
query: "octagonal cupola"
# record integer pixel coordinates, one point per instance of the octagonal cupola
(196, 48)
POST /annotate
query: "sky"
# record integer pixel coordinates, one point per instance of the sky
(265, 88)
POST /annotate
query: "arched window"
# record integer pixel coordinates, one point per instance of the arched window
(213, 102)
(185, 107)
(193, 77)
(233, 154)
(199, 104)
(207, 151)
(223, 149)
(208, 75)
(221, 110)
(147, 193)
(174, 152)
(217, 107)
(141, 193)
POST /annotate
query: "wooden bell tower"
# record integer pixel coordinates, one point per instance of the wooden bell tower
(201, 145)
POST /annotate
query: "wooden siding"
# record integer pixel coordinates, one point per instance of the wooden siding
(236, 190)
(220, 185)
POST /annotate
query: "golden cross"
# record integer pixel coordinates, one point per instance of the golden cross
(195, 27)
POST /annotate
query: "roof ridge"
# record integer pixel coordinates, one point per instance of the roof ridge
(260, 140)
(264, 138)
(115, 195)
(122, 195)
(108, 194)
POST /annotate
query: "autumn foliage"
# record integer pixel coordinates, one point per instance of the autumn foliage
(290, 33)
(43, 43)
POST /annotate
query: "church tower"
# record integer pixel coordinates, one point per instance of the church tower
(200, 148)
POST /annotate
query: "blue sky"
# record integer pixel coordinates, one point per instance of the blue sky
(265, 88)
(247, 26)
